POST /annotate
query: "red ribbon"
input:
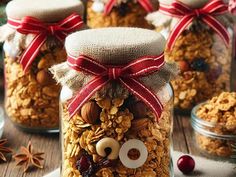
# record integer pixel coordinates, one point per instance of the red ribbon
(126, 75)
(187, 15)
(146, 4)
(41, 30)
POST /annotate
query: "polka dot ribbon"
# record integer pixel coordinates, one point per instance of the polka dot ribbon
(146, 4)
(186, 14)
(126, 75)
(41, 30)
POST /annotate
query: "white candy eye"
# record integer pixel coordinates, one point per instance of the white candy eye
(127, 147)
(108, 143)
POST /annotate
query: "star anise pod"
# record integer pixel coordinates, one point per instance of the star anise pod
(27, 158)
(4, 150)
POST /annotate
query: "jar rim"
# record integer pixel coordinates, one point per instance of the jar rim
(199, 126)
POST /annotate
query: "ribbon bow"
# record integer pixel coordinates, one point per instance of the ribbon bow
(41, 30)
(126, 75)
(146, 4)
(206, 14)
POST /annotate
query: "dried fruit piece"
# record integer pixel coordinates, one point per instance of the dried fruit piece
(199, 65)
(183, 66)
(90, 112)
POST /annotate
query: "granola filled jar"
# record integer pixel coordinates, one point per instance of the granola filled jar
(214, 124)
(117, 13)
(201, 40)
(116, 104)
(33, 42)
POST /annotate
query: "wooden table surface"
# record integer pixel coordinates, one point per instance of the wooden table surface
(48, 143)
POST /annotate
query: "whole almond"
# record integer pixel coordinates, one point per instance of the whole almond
(139, 109)
(43, 77)
(90, 112)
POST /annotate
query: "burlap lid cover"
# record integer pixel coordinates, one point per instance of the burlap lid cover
(44, 10)
(114, 46)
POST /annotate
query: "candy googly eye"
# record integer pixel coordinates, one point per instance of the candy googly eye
(128, 146)
(106, 144)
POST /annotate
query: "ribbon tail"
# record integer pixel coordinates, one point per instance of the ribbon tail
(147, 5)
(218, 28)
(32, 51)
(144, 94)
(86, 93)
(109, 6)
(178, 29)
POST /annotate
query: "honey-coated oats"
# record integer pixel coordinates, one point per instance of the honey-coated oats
(116, 121)
(220, 111)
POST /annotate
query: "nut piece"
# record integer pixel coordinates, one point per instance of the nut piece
(90, 112)
(138, 109)
(139, 124)
(106, 143)
(43, 77)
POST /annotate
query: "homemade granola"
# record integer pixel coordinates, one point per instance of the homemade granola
(205, 66)
(126, 13)
(118, 123)
(32, 98)
(220, 112)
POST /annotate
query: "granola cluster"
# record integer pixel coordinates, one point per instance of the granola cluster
(204, 62)
(221, 112)
(32, 96)
(117, 120)
(129, 14)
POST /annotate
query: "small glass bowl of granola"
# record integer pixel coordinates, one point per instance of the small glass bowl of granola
(214, 124)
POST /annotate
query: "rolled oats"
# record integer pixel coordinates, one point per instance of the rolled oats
(117, 122)
(127, 14)
(220, 113)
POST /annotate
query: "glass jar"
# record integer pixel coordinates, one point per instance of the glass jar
(128, 13)
(216, 135)
(205, 61)
(31, 95)
(113, 133)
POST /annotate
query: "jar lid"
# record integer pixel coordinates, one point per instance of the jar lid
(190, 3)
(45, 10)
(115, 45)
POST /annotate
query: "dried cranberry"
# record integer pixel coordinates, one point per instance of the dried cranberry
(186, 164)
(85, 165)
(199, 65)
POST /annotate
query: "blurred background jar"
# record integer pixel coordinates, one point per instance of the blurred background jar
(215, 127)
(33, 42)
(114, 132)
(201, 41)
(117, 13)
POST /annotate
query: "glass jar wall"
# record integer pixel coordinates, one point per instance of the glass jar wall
(126, 13)
(31, 98)
(205, 64)
(115, 134)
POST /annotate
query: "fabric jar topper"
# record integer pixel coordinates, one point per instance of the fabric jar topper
(187, 15)
(146, 4)
(126, 75)
(41, 30)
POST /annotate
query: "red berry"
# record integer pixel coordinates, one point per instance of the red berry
(183, 66)
(186, 164)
